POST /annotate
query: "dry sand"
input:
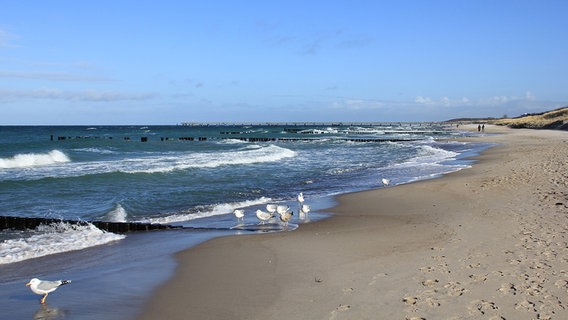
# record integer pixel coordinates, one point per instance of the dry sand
(489, 242)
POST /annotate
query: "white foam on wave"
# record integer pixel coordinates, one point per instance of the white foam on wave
(26, 160)
(190, 160)
(209, 211)
(430, 162)
(118, 214)
(96, 150)
(161, 163)
(54, 238)
(430, 155)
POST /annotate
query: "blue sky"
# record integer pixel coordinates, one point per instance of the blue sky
(165, 62)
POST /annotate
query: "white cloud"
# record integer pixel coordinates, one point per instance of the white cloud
(359, 104)
(85, 95)
(52, 76)
(465, 101)
(423, 100)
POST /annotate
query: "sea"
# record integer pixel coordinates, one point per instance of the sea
(192, 176)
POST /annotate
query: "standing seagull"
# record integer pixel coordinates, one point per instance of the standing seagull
(286, 216)
(301, 197)
(303, 209)
(386, 181)
(263, 216)
(240, 214)
(271, 208)
(45, 287)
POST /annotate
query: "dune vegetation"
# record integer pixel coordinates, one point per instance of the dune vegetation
(554, 119)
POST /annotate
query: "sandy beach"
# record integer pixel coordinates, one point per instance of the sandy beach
(488, 242)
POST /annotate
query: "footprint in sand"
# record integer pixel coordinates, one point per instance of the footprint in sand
(561, 284)
(348, 290)
(455, 289)
(430, 282)
(508, 288)
(341, 308)
(427, 269)
(430, 302)
(476, 278)
(482, 307)
(438, 258)
(410, 300)
(442, 267)
(534, 289)
(526, 306)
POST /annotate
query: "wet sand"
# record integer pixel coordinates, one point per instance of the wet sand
(489, 242)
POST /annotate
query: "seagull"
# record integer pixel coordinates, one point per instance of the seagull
(45, 287)
(263, 216)
(303, 209)
(386, 181)
(282, 209)
(271, 207)
(301, 197)
(286, 216)
(240, 214)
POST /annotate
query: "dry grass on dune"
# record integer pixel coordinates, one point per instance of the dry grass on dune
(555, 119)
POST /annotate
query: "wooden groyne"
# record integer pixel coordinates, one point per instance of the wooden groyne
(264, 139)
(20, 223)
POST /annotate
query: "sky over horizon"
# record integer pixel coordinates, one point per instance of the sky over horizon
(166, 62)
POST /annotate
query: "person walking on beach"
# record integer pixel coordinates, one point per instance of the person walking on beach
(478, 127)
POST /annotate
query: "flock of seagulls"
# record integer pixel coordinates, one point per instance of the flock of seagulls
(45, 287)
(283, 212)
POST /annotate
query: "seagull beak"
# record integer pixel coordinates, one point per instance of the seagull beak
(28, 284)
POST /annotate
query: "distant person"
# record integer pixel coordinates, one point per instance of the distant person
(478, 127)
(483, 128)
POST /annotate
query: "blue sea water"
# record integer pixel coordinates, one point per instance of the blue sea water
(194, 176)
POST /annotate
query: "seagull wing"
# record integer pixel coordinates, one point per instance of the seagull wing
(49, 286)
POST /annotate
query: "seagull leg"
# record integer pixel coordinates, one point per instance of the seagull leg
(43, 299)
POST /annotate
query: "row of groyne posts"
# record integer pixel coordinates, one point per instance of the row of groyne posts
(248, 139)
(142, 139)
(23, 223)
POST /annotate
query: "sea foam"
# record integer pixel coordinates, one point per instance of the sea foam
(207, 211)
(25, 160)
(54, 238)
(118, 214)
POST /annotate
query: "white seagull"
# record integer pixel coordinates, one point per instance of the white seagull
(304, 209)
(282, 209)
(271, 207)
(263, 216)
(240, 214)
(386, 181)
(45, 287)
(301, 197)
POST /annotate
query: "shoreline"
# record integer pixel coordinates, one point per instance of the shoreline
(462, 245)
